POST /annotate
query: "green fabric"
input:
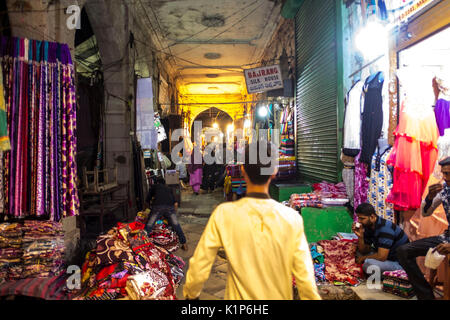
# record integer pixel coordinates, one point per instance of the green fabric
(290, 8)
(323, 224)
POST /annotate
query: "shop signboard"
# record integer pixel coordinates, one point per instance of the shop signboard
(412, 9)
(263, 79)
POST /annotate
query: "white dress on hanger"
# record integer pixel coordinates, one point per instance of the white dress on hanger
(352, 123)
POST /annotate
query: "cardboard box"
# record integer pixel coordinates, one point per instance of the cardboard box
(172, 178)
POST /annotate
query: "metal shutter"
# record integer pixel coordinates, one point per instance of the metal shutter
(317, 83)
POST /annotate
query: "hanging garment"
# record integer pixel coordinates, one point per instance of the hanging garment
(437, 223)
(2, 197)
(4, 137)
(352, 122)
(413, 156)
(442, 112)
(361, 183)
(372, 117)
(380, 185)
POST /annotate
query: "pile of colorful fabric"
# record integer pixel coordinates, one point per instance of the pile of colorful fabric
(286, 168)
(287, 147)
(396, 282)
(340, 264)
(330, 190)
(11, 252)
(127, 264)
(32, 249)
(164, 237)
(303, 200)
(43, 249)
(319, 262)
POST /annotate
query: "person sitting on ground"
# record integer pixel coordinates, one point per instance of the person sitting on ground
(385, 237)
(163, 204)
(264, 242)
(437, 194)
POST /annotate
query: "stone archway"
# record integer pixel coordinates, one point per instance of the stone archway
(211, 115)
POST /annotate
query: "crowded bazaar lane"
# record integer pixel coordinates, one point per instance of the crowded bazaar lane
(193, 216)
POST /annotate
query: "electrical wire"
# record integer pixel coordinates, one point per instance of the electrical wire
(232, 26)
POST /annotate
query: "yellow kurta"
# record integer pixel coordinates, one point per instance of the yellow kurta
(265, 245)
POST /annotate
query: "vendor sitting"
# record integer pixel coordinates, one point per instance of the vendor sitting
(385, 237)
(164, 206)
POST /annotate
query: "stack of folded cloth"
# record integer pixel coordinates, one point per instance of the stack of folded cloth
(303, 200)
(10, 251)
(396, 282)
(238, 184)
(287, 147)
(147, 286)
(286, 168)
(43, 249)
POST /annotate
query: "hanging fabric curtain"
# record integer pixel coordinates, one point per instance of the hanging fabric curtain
(40, 173)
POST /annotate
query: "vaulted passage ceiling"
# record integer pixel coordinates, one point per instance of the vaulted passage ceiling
(212, 41)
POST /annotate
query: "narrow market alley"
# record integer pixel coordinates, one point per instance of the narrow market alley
(318, 131)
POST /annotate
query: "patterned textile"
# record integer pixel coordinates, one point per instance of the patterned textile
(110, 271)
(5, 144)
(305, 200)
(40, 170)
(51, 288)
(162, 236)
(340, 262)
(348, 175)
(110, 250)
(147, 286)
(361, 183)
(396, 282)
(380, 186)
(330, 190)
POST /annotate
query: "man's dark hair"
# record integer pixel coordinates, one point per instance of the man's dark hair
(365, 209)
(254, 170)
(160, 180)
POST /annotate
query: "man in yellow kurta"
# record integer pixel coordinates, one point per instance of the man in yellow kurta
(264, 242)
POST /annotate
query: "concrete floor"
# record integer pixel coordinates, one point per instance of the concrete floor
(194, 213)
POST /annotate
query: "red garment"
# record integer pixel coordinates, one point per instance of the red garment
(340, 264)
(134, 226)
(106, 271)
(413, 157)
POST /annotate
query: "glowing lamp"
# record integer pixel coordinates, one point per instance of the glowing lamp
(262, 112)
(372, 40)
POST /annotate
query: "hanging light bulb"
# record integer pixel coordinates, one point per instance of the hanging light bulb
(216, 125)
(247, 123)
(372, 40)
(262, 111)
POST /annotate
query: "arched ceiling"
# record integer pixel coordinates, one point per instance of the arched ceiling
(211, 42)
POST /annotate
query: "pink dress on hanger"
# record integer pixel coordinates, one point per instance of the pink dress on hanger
(413, 157)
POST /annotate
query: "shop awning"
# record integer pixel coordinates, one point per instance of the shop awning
(290, 8)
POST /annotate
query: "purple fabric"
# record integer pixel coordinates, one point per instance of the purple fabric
(361, 183)
(196, 180)
(442, 112)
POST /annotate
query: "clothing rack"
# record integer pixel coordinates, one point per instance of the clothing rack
(366, 65)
